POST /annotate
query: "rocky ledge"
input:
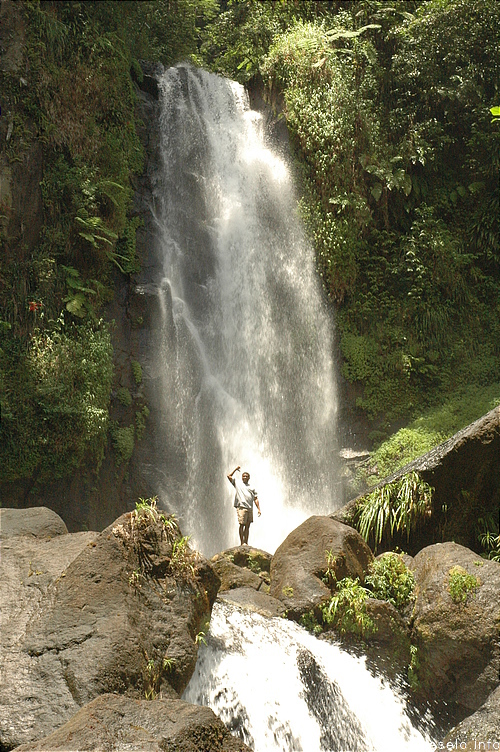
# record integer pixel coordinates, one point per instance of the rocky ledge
(94, 626)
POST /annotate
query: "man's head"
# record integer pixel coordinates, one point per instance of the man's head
(245, 477)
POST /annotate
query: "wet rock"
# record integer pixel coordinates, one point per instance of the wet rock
(253, 600)
(478, 729)
(243, 566)
(232, 576)
(246, 556)
(457, 641)
(302, 560)
(120, 618)
(116, 723)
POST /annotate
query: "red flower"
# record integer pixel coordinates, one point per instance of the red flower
(33, 307)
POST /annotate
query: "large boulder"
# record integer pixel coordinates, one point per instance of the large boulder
(250, 599)
(39, 522)
(117, 723)
(122, 617)
(302, 560)
(243, 567)
(480, 729)
(456, 624)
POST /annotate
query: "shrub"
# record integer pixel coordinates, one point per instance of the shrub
(390, 580)
(123, 443)
(346, 610)
(398, 506)
(460, 584)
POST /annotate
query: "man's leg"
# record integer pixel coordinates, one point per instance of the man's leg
(246, 532)
(242, 534)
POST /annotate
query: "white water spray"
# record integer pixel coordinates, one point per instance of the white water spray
(246, 368)
(282, 690)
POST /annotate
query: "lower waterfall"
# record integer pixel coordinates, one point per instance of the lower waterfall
(283, 690)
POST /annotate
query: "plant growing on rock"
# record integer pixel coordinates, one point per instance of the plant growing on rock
(153, 673)
(396, 507)
(390, 580)
(461, 583)
(346, 610)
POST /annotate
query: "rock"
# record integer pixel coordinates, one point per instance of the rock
(37, 521)
(243, 566)
(232, 576)
(116, 723)
(481, 727)
(458, 649)
(304, 557)
(108, 622)
(253, 600)
(246, 556)
(463, 472)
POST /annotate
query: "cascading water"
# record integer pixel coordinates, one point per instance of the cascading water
(246, 371)
(282, 690)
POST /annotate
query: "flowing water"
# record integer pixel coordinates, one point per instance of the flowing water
(244, 375)
(246, 368)
(282, 690)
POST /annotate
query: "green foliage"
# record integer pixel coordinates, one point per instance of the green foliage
(432, 428)
(391, 125)
(461, 584)
(136, 371)
(395, 507)
(238, 38)
(78, 108)
(123, 396)
(153, 674)
(140, 421)
(54, 399)
(489, 537)
(309, 621)
(123, 442)
(390, 580)
(346, 610)
(183, 559)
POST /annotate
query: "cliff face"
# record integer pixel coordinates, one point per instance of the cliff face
(48, 263)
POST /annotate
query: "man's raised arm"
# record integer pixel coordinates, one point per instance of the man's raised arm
(230, 476)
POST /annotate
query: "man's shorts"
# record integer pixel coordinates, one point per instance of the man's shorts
(245, 516)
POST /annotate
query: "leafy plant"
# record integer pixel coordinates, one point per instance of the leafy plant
(309, 621)
(346, 610)
(395, 507)
(136, 371)
(390, 580)
(183, 559)
(153, 673)
(489, 538)
(461, 584)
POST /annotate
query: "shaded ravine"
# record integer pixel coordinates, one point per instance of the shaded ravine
(244, 367)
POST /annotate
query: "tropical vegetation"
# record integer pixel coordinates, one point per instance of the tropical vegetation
(392, 109)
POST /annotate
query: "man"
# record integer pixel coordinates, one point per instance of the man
(243, 502)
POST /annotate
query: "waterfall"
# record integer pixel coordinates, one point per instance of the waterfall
(244, 365)
(282, 690)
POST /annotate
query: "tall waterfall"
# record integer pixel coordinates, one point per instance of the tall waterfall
(282, 690)
(245, 360)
